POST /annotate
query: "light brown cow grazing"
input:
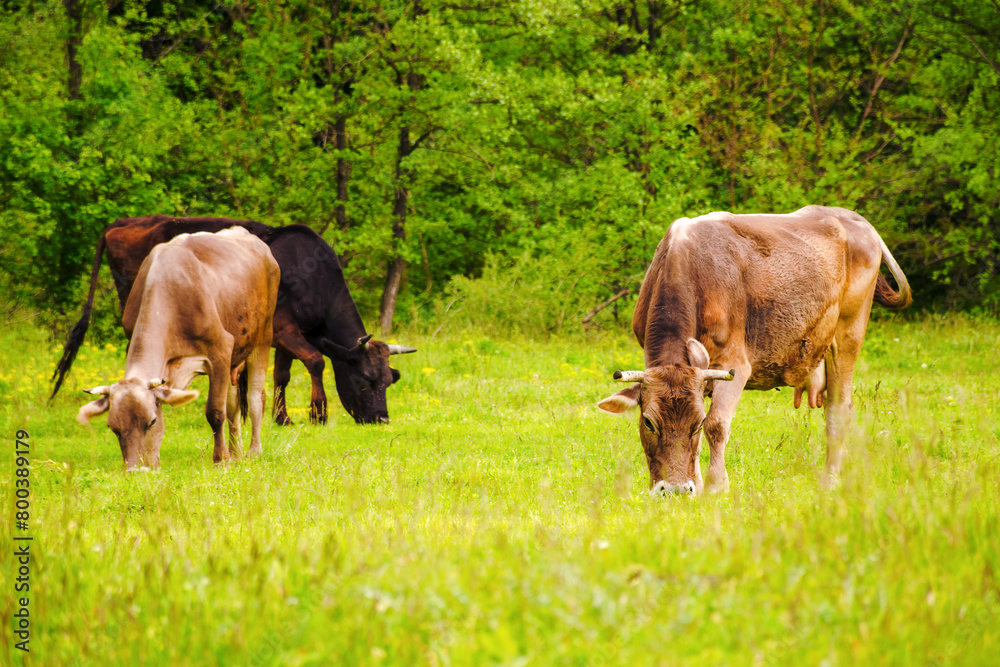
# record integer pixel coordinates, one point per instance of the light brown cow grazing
(201, 304)
(779, 300)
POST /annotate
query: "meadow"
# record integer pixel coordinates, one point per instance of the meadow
(501, 519)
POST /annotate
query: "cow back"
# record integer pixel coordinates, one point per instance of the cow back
(771, 287)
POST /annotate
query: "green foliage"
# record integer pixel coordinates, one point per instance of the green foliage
(955, 223)
(501, 519)
(531, 295)
(70, 167)
(514, 129)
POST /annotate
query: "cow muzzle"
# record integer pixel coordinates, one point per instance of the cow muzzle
(378, 419)
(663, 488)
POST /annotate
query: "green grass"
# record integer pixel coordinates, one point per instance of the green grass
(502, 519)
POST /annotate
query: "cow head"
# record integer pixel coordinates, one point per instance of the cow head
(135, 416)
(362, 374)
(671, 413)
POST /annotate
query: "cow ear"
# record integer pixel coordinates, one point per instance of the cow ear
(92, 409)
(335, 351)
(395, 375)
(174, 396)
(697, 354)
(623, 401)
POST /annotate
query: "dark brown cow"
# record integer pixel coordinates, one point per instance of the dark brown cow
(779, 300)
(202, 304)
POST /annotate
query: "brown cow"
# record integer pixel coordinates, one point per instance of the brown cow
(202, 304)
(779, 300)
(315, 313)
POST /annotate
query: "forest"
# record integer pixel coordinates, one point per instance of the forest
(496, 177)
(509, 164)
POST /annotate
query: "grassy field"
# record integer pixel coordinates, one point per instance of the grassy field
(502, 519)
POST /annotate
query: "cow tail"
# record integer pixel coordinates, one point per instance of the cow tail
(242, 390)
(75, 339)
(884, 294)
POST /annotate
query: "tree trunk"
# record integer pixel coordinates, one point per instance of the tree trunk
(343, 171)
(396, 264)
(341, 80)
(74, 13)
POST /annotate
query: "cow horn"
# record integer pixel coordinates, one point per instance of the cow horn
(629, 376)
(156, 382)
(400, 349)
(363, 341)
(98, 391)
(717, 374)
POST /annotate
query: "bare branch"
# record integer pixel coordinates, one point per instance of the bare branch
(880, 78)
(184, 36)
(423, 136)
(604, 305)
(986, 59)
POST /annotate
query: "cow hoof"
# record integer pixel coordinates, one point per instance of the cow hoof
(713, 486)
(830, 480)
(662, 489)
(282, 420)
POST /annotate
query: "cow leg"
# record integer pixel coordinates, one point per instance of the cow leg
(837, 406)
(718, 426)
(291, 340)
(233, 417)
(218, 391)
(256, 380)
(840, 359)
(282, 376)
(839, 402)
(215, 413)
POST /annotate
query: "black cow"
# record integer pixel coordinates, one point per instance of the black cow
(315, 313)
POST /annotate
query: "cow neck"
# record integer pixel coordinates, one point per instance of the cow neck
(344, 323)
(147, 348)
(146, 357)
(670, 322)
